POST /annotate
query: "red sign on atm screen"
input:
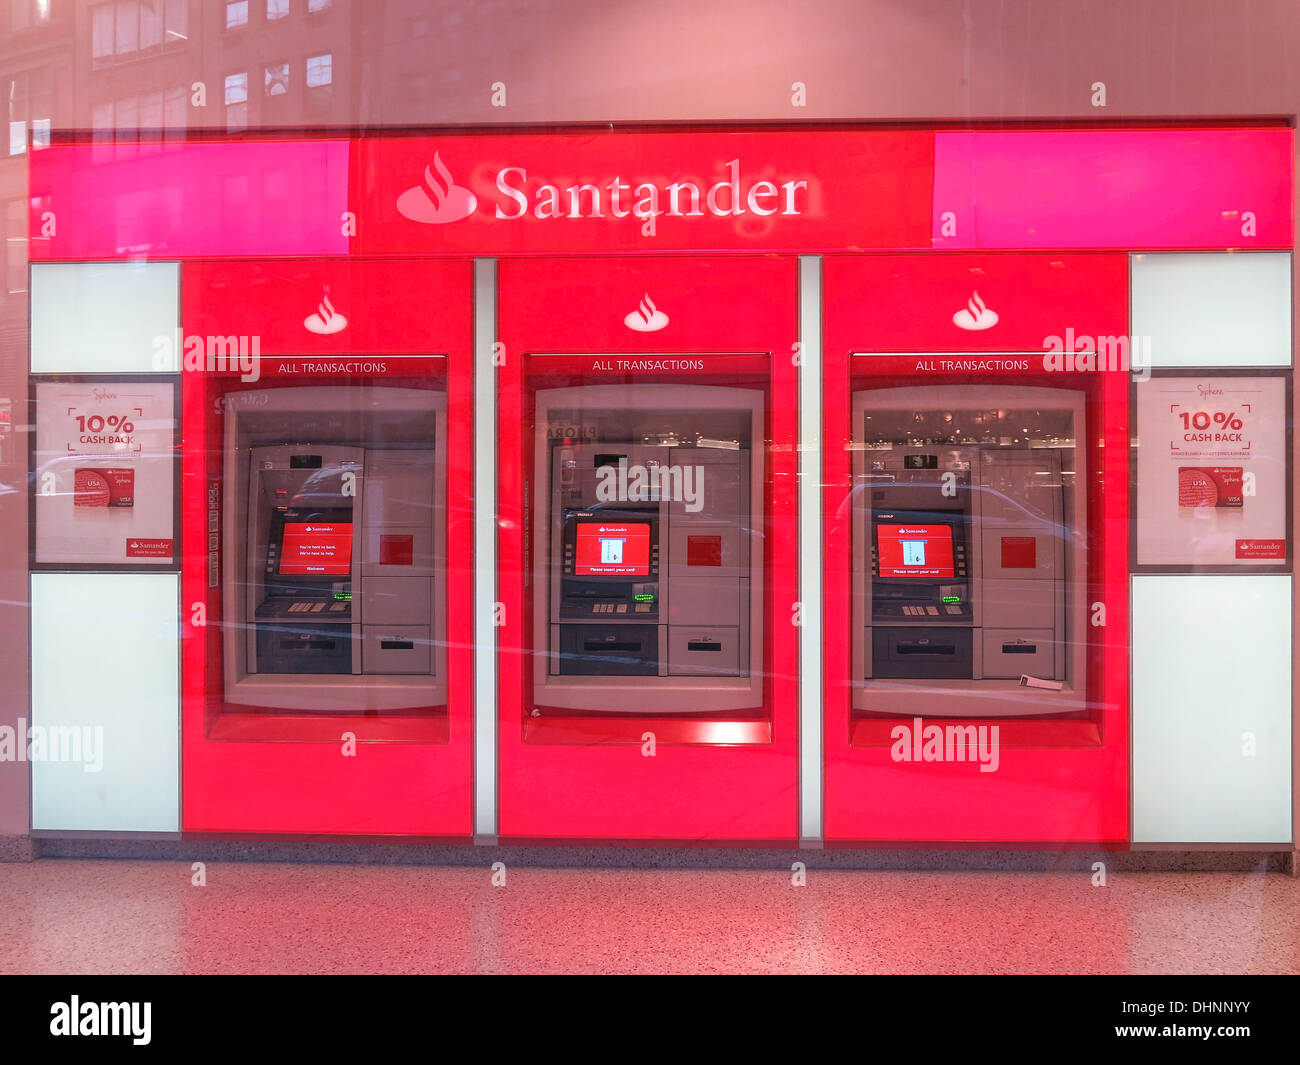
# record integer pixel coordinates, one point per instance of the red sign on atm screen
(605, 550)
(914, 550)
(316, 548)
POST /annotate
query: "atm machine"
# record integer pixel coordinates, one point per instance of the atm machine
(333, 550)
(969, 534)
(648, 554)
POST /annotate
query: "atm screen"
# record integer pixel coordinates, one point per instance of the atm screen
(310, 548)
(612, 549)
(914, 550)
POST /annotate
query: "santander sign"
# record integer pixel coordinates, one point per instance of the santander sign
(437, 199)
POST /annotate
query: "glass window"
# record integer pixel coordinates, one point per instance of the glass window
(101, 31)
(276, 79)
(128, 26)
(237, 14)
(320, 70)
(177, 20)
(315, 6)
(236, 89)
(17, 138)
(236, 101)
(277, 9)
(151, 29)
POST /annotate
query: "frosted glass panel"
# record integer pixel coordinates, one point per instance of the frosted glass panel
(1211, 709)
(103, 317)
(105, 702)
(1214, 309)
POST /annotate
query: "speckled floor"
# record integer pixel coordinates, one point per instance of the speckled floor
(75, 916)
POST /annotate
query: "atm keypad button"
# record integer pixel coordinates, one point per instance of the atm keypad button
(953, 609)
(338, 606)
(932, 610)
(643, 608)
(622, 608)
(317, 608)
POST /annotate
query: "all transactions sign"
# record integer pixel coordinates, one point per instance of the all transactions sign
(621, 192)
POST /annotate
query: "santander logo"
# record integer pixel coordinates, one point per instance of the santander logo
(326, 320)
(647, 318)
(438, 199)
(728, 193)
(975, 315)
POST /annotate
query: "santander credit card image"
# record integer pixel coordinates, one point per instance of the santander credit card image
(1209, 486)
(99, 487)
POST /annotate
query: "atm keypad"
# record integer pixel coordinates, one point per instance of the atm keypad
(315, 606)
(929, 611)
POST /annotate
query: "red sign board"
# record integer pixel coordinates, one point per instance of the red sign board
(584, 192)
(326, 307)
(981, 303)
(616, 192)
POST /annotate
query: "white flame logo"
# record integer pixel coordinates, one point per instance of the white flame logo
(975, 315)
(647, 318)
(326, 320)
(438, 199)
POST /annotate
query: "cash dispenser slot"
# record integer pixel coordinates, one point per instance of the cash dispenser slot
(620, 651)
(928, 652)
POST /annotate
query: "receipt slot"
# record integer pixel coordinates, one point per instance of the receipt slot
(648, 577)
(970, 553)
(334, 546)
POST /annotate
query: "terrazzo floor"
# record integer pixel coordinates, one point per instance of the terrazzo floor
(105, 916)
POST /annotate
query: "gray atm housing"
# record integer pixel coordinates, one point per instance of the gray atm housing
(369, 639)
(1014, 605)
(686, 637)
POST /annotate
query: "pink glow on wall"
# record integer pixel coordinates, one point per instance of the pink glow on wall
(163, 201)
(1123, 189)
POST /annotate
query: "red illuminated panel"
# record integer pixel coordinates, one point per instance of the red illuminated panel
(914, 550)
(316, 548)
(606, 550)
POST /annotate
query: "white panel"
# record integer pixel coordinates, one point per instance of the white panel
(104, 663)
(485, 551)
(104, 317)
(1211, 664)
(811, 824)
(1213, 309)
